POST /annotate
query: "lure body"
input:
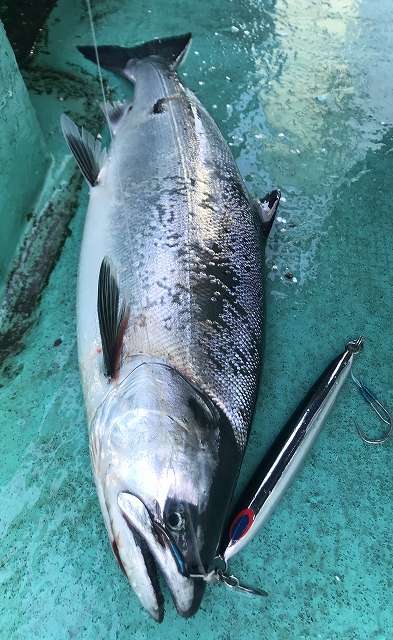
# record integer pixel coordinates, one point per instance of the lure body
(279, 466)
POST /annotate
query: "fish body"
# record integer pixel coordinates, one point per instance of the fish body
(170, 215)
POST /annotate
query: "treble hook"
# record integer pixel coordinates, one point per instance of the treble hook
(219, 575)
(379, 409)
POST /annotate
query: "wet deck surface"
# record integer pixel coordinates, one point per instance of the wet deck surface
(303, 92)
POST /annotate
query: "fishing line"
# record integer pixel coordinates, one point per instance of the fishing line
(105, 103)
(93, 34)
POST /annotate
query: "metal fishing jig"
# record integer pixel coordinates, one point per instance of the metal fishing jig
(378, 408)
(280, 464)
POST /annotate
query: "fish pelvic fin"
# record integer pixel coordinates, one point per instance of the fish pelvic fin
(87, 150)
(266, 209)
(172, 51)
(114, 113)
(112, 317)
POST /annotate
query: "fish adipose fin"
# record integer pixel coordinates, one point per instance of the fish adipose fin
(266, 209)
(114, 112)
(112, 318)
(87, 151)
(171, 51)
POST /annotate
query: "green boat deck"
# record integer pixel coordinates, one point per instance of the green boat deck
(303, 92)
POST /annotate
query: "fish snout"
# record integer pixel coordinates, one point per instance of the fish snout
(157, 550)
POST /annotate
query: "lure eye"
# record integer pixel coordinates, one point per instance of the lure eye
(175, 521)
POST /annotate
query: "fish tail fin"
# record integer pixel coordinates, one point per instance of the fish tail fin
(171, 51)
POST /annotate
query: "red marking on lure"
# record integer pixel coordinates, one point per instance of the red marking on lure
(241, 524)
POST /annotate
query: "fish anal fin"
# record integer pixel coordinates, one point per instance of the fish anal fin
(114, 113)
(266, 209)
(112, 318)
(87, 150)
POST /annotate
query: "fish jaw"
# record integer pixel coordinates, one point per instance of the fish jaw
(157, 450)
(186, 592)
(137, 563)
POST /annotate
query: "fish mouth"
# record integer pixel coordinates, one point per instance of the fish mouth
(147, 547)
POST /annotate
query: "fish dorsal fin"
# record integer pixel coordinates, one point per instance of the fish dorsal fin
(87, 151)
(115, 112)
(112, 318)
(266, 209)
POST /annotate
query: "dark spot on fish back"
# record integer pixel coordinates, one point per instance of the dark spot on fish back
(160, 105)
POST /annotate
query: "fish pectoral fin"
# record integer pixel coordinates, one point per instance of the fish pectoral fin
(266, 209)
(112, 317)
(87, 150)
(114, 113)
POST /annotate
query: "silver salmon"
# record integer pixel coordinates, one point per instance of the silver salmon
(169, 322)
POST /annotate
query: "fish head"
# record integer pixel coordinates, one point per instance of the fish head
(165, 462)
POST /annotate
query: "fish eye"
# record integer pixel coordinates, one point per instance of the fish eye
(175, 521)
